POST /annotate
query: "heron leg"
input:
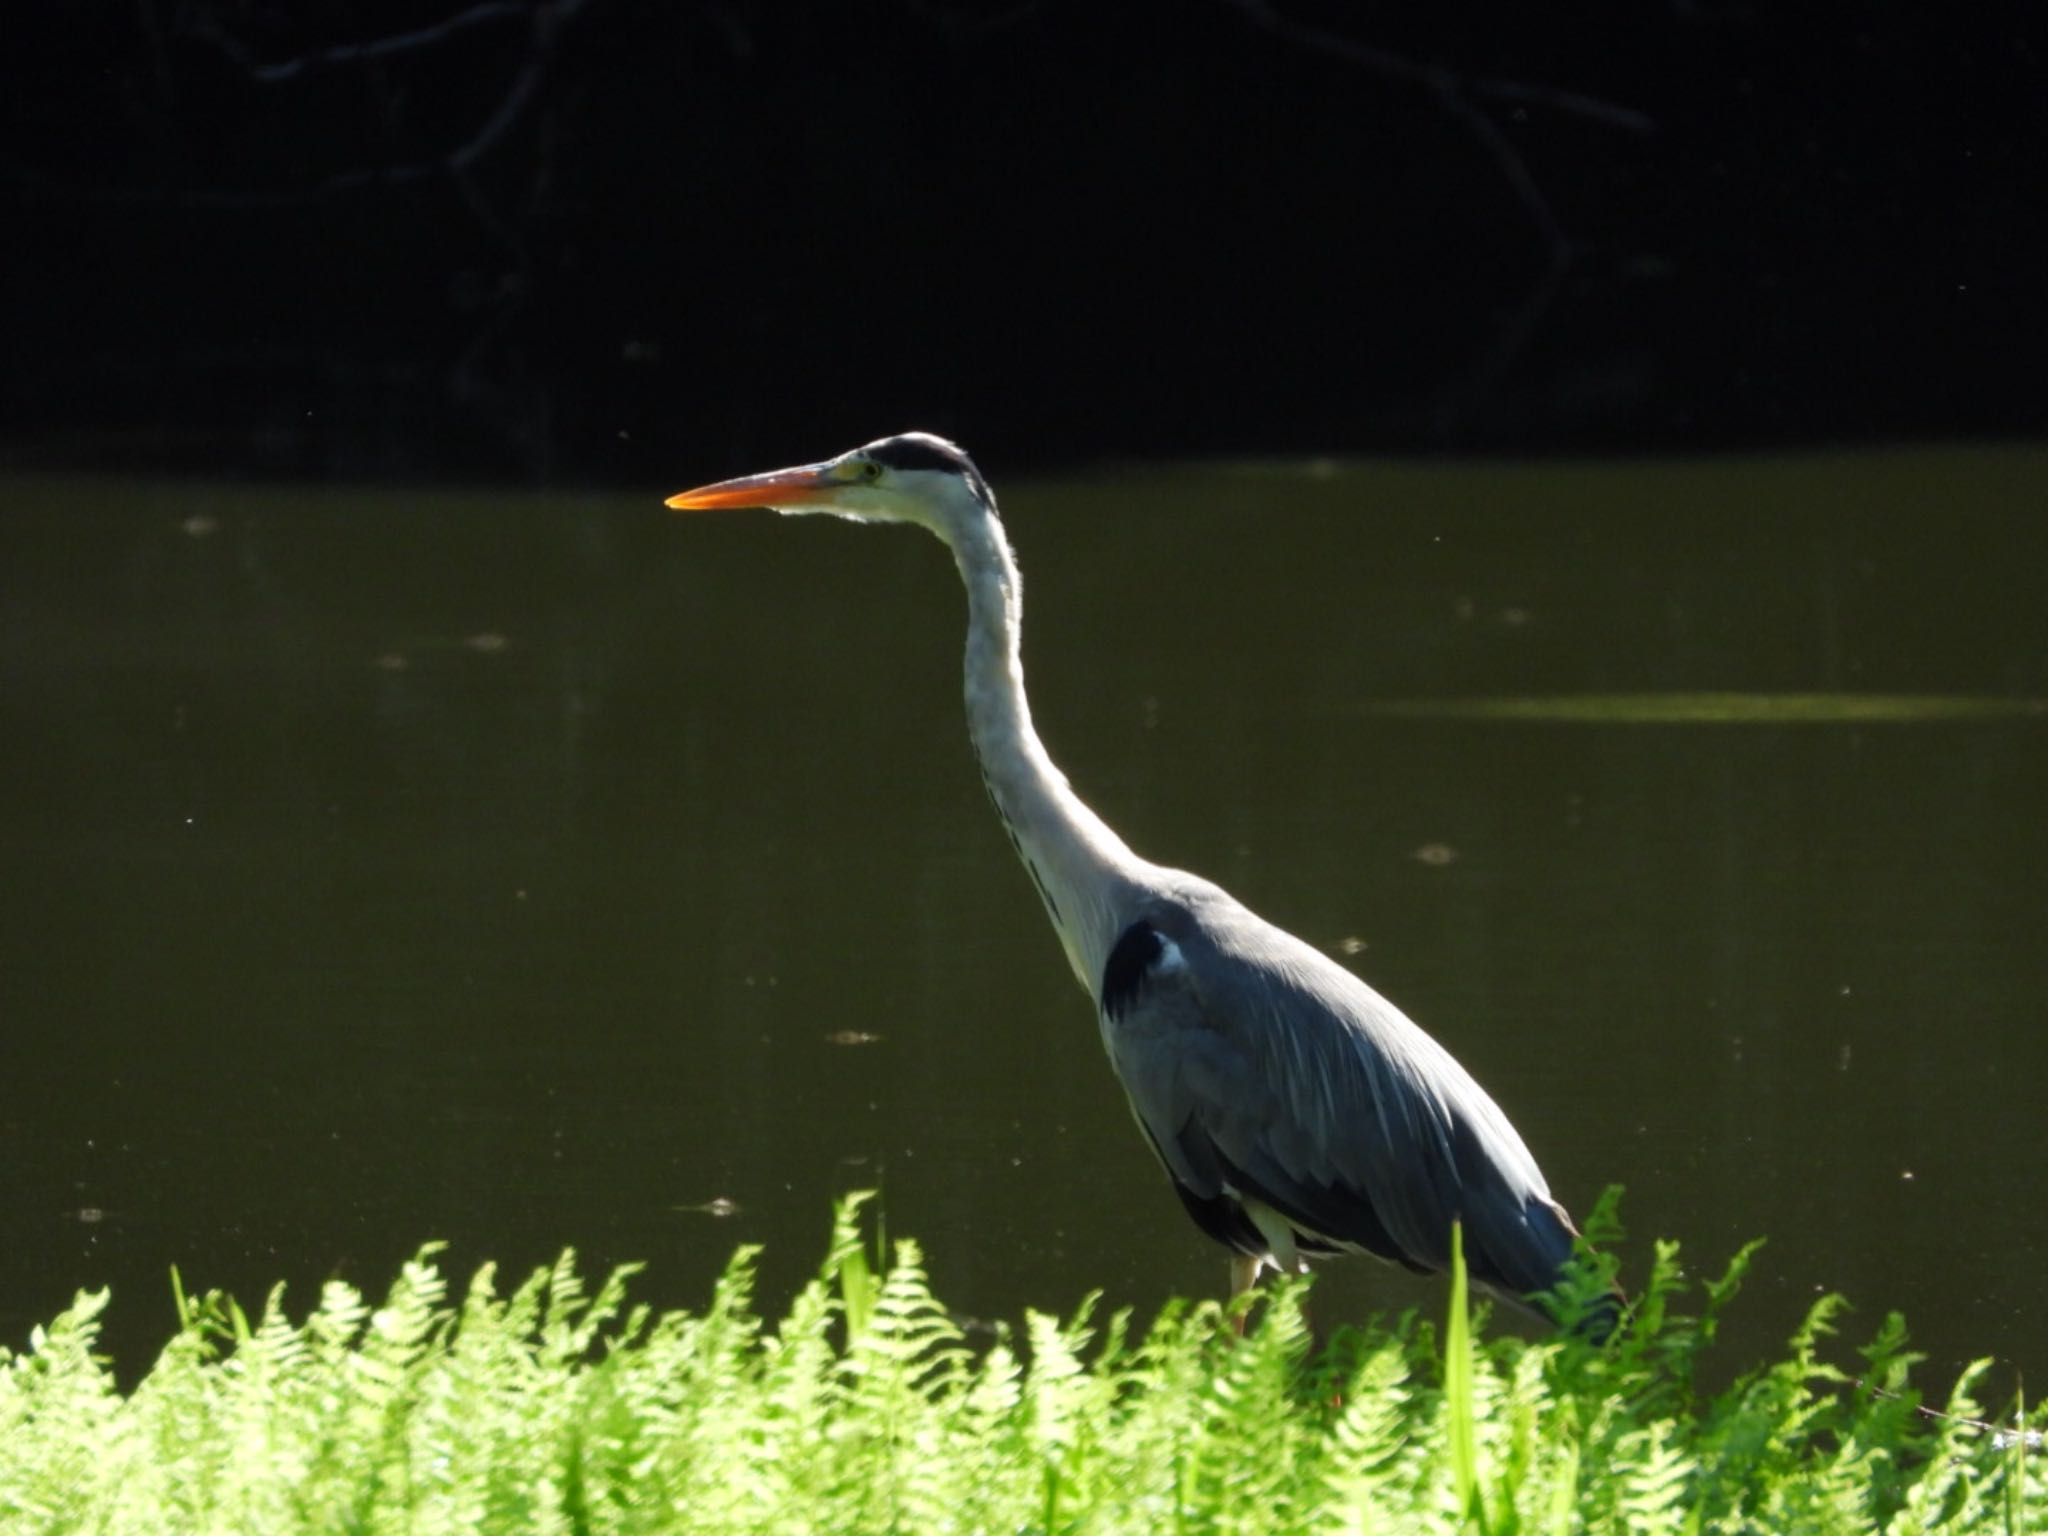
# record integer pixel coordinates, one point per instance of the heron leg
(1244, 1274)
(1282, 1252)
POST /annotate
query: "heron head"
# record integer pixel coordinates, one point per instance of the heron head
(913, 477)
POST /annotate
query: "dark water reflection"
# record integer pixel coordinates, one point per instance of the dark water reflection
(384, 867)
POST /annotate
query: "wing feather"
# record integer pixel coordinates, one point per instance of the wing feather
(1259, 1067)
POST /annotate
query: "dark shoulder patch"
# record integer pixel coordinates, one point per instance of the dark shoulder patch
(1135, 951)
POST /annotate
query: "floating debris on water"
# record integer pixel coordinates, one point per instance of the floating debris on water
(719, 1205)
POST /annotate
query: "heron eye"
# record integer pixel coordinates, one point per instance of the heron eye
(870, 471)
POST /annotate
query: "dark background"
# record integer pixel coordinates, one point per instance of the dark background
(621, 241)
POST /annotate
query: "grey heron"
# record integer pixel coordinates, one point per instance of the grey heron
(1297, 1111)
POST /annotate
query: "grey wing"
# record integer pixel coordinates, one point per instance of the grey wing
(1260, 1068)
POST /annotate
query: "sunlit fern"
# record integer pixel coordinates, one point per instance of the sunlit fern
(865, 1408)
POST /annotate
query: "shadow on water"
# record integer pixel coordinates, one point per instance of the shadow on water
(530, 871)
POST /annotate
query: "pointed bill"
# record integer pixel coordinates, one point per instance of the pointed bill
(804, 486)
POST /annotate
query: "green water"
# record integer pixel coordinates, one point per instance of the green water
(528, 871)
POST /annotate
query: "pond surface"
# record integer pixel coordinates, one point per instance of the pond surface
(527, 872)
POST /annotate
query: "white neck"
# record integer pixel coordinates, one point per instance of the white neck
(1082, 869)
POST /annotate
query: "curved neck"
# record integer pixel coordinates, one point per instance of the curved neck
(1081, 868)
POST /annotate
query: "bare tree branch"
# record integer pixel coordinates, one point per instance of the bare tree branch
(344, 54)
(545, 21)
(1570, 103)
(1457, 95)
(1442, 81)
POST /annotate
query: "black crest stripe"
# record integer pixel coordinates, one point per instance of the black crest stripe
(920, 453)
(919, 450)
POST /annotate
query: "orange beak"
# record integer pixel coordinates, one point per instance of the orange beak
(805, 485)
